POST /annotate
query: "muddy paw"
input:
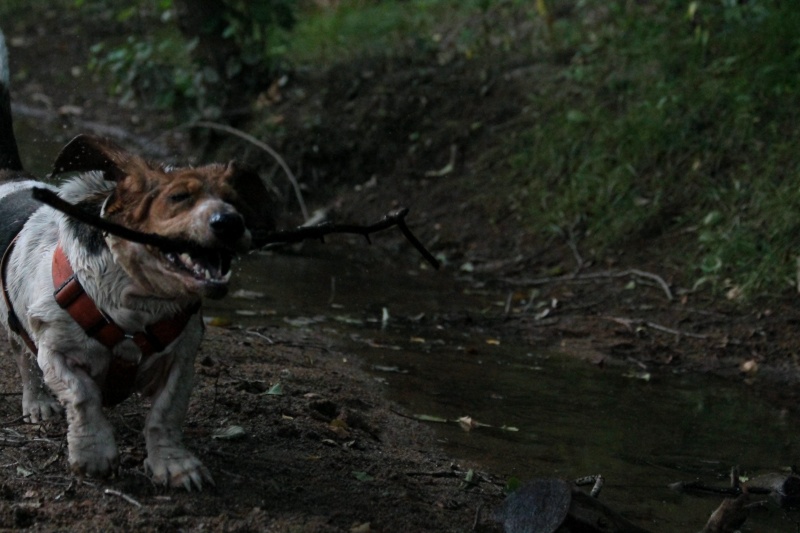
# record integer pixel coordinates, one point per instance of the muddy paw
(176, 467)
(40, 407)
(93, 453)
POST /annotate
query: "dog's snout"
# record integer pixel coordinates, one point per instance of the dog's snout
(227, 226)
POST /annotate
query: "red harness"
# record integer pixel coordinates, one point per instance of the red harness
(71, 297)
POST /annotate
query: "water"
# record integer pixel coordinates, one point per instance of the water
(572, 418)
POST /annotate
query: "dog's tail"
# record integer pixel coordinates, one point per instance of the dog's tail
(9, 154)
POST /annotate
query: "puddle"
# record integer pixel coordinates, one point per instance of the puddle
(571, 418)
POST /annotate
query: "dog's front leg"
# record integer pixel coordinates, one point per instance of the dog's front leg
(90, 437)
(168, 461)
(38, 404)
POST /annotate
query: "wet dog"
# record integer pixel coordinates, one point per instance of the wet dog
(96, 317)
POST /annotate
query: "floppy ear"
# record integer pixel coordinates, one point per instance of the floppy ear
(254, 201)
(86, 153)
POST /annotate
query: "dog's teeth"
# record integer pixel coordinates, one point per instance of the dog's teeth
(227, 277)
(186, 259)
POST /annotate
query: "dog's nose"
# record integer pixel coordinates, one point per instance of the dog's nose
(227, 226)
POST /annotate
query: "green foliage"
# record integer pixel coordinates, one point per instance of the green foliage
(363, 27)
(673, 119)
(157, 71)
(158, 68)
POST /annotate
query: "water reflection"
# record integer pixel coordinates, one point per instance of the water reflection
(574, 419)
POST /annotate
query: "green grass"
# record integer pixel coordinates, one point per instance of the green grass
(664, 122)
(355, 28)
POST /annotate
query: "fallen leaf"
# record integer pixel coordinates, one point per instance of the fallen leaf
(245, 294)
(394, 369)
(275, 390)
(218, 321)
(466, 423)
(362, 476)
(749, 367)
(230, 433)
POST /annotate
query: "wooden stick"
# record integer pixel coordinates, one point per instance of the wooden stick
(169, 244)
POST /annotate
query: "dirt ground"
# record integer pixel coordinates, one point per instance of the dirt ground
(330, 453)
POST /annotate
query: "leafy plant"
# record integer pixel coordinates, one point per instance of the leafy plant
(161, 67)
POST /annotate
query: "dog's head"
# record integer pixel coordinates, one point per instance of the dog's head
(216, 208)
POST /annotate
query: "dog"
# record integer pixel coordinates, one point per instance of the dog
(97, 318)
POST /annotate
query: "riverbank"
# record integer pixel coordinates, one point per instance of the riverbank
(297, 437)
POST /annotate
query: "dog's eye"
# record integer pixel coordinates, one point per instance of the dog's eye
(179, 197)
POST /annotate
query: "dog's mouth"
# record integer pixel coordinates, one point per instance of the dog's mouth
(210, 266)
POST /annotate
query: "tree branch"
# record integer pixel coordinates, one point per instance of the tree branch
(319, 231)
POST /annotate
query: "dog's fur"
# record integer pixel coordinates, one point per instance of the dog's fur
(133, 284)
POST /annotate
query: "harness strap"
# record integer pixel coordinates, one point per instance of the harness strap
(121, 376)
(14, 323)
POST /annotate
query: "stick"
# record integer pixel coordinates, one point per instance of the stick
(129, 499)
(606, 274)
(48, 197)
(318, 231)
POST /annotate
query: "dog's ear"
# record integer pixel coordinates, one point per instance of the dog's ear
(86, 153)
(254, 201)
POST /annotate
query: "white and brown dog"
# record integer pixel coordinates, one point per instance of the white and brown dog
(101, 317)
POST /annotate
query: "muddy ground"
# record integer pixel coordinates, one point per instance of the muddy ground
(330, 453)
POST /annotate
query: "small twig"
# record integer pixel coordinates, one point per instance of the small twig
(264, 146)
(129, 499)
(631, 322)
(395, 218)
(477, 516)
(699, 486)
(260, 335)
(448, 168)
(573, 246)
(606, 274)
(14, 421)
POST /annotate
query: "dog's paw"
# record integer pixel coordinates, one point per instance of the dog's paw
(40, 407)
(93, 452)
(175, 467)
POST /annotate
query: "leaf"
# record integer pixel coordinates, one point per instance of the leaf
(512, 484)
(248, 295)
(275, 390)
(362, 476)
(303, 321)
(394, 369)
(466, 423)
(576, 116)
(218, 321)
(230, 433)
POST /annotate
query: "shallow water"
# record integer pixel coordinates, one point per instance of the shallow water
(571, 418)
